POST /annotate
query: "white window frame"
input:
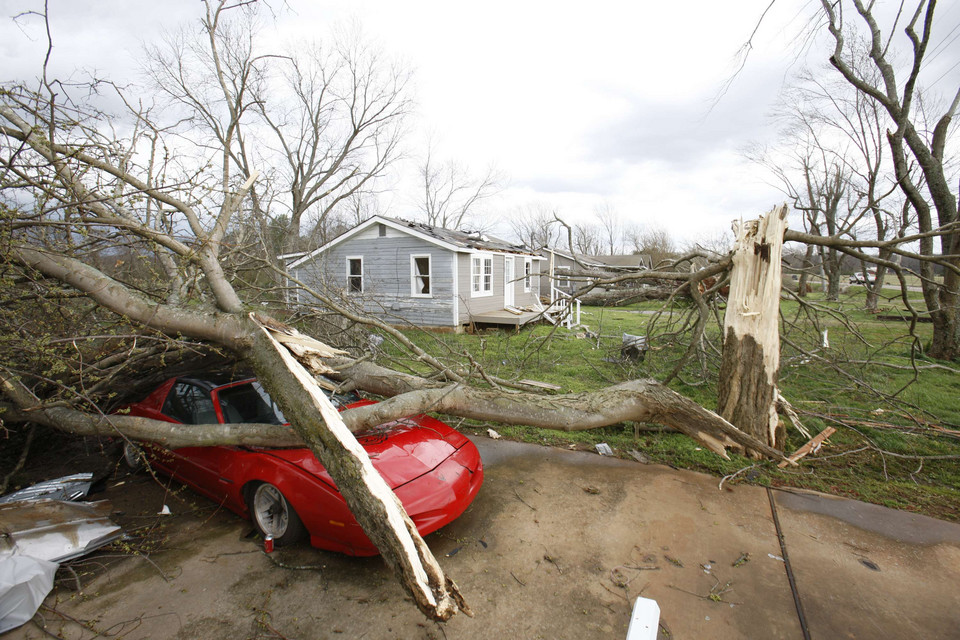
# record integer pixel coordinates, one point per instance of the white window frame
(481, 283)
(414, 289)
(527, 274)
(349, 276)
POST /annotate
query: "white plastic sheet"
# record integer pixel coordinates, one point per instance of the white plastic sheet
(24, 583)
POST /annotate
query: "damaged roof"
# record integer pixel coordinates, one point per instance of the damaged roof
(461, 241)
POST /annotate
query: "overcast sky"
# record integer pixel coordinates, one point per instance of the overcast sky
(577, 104)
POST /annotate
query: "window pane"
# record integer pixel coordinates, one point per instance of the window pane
(190, 405)
(249, 403)
(422, 277)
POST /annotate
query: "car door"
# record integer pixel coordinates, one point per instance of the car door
(200, 467)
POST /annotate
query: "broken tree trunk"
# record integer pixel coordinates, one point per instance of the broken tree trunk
(373, 504)
(747, 394)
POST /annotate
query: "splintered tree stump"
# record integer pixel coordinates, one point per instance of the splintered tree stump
(749, 372)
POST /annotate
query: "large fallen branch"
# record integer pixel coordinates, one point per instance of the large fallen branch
(636, 400)
(372, 502)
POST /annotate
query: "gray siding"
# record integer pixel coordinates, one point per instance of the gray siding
(387, 278)
(482, 304)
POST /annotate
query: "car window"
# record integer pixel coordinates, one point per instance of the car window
(190, 404)
(249, 403)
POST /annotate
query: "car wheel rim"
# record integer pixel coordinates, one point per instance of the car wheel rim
(270, 510)
(131, 454)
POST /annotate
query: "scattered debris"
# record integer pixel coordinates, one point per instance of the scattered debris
(869, 565)
(66, 488)
(165, 511)
(604, 449)
(645, 620)
(673, 561)
(633, 347)
(812, 446)
(522, 583)
(770, 555)
(742, 560)
(591, 490)
(706, 568)
(517, 493)
(541, 385)
(24, 583)
(493, 434)
(454, 552)
(639, 457)
(35, 536)
(553, 561)
(55, 530)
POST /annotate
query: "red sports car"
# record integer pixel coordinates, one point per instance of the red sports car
(434, 470)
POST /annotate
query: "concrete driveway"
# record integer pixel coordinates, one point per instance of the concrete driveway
(557, 545)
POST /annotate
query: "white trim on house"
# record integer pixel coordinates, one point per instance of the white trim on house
(415, 274)
(349, 275)
(456, 290)
(527, 274)
(509, 281)
(479, 289)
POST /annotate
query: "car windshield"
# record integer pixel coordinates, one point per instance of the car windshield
(250, 403)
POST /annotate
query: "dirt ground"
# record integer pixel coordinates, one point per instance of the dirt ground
(558, 544)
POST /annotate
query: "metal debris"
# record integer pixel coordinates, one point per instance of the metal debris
(604, 449)
(66, 488)
(55, 530)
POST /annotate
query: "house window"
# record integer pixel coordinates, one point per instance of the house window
(527, 270)
(382, 230)
(563, 278)
(420, 277)
(355, 275)
(481, 276)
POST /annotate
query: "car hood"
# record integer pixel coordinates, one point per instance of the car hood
(401, 451)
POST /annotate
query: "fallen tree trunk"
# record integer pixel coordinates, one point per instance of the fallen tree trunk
(375, 506)
(636, 400)
(617, 297)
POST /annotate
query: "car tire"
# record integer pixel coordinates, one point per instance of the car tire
(273, 515)
(132, 456)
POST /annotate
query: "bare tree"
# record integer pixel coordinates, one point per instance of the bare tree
(329, 116)
(451, 194)
(535, 225)
(654, 242)
(611, 226)
(911, 138)
(586, 239)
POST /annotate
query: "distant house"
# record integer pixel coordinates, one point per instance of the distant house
(563, 272)
(411, 273)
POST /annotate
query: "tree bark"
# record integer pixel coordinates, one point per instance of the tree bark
(747, 394)
(374, 505)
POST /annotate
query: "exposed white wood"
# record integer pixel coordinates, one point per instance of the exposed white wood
(752, 319)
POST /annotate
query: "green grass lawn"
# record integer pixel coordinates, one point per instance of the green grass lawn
(864, 384)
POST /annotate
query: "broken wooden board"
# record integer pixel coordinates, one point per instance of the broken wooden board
(541, 385)
(812, 445)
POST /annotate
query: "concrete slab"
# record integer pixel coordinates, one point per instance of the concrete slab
(864, 571)
(558, 544)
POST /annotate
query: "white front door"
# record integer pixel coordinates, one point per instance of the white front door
(508, 283)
